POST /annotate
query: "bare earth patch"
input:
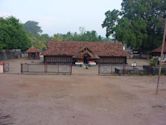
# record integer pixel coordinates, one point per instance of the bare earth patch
(82, 100)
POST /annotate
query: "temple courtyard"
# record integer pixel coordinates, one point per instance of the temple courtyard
(76, 99)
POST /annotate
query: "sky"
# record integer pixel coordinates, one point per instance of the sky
(60, 16)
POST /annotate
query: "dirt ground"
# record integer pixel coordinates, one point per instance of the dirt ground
(82, 100)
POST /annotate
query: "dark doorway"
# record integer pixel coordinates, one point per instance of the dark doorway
(86, 58)
(33, 55)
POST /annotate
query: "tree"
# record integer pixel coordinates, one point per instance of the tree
(58, 37)
(32, 27)
(37, 41)
(110, 21)
(12, 34)
(139, 24)
(82, 36)
(34, 31)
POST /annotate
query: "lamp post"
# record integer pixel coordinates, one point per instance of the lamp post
(161, 57)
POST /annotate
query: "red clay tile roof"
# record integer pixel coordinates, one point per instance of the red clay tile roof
(158, 50)
(70, 48)
(32, 50)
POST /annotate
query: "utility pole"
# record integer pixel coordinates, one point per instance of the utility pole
(160, 61)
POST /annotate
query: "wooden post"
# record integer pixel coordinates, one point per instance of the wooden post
(99, 69)
(123, 69)
(21, 68)
(161, 57)
(58, 68)
(71, 69)
(45, 68)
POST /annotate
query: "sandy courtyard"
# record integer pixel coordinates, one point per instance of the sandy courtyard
(81, 100)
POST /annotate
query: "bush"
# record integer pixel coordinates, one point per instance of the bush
(153, 62)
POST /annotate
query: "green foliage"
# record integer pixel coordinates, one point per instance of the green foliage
(32, 27)
(153, 62)
(12, 34)
(38, 41)
(139, 24)
(34, 31)
(110, 21)
(82, 36)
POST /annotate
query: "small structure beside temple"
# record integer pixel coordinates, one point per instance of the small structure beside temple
(157, 52)
(33, 53)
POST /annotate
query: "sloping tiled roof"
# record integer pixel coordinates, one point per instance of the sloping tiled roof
(158, 50)
(69, 48)
(32, 50)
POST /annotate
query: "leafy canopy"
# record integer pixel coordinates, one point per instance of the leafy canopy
(12, 34)
(34, 31)
(82, 36)
(32, 27)
(139, 24)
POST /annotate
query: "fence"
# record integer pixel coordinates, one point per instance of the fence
(120, 69)
(47, 68)
(10, 54)
(4, 67)
(108, 69)
(154, 70)
(140, 70)
(137, 70)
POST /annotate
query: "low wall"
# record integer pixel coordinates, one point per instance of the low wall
(108, 69)
(47, 68)
(4, 67)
